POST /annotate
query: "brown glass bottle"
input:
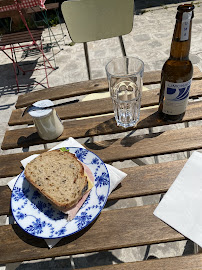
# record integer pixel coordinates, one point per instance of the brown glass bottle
(177, 71)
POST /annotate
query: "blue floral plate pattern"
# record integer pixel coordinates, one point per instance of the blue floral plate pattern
(35, 214)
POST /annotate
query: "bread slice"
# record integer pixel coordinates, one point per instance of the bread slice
(59, 176)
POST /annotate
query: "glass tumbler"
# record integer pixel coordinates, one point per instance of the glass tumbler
(125, 78)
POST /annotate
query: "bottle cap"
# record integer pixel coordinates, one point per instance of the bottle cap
(185, 8)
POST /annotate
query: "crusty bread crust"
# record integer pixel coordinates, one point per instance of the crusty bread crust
(59, 176)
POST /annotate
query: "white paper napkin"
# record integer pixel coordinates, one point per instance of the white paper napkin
(181, 206)
(115, 175)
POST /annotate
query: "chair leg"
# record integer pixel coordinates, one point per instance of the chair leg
(14, 67)
(45, 18)
(87, 59)
(58, 16)
(52, 47)
(44, 60)
(15, 60)
(122, 46)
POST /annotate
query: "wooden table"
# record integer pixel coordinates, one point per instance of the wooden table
(118, 228)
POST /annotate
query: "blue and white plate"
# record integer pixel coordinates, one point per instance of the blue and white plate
(35, 214)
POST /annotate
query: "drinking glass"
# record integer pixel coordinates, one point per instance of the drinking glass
(125, 78)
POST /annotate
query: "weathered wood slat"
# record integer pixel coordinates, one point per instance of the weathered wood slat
(5, 197)
(141, 227)
(192, 262)
(80, 109)
(147, 179)
(63, 91)
(96, 107)
(94, 126)
(170, 141)
(82, 88)
(140, 181)
(10, 164)
(20, 37)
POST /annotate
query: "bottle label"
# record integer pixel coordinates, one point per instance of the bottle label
(176, 97)
(186, 18)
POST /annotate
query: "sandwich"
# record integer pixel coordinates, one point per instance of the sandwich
(61, 178)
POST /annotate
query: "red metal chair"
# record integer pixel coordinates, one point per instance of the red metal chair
(26, 40)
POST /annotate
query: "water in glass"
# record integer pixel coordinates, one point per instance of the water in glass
(126, 100)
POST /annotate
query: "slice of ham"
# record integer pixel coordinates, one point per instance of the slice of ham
(74, 210)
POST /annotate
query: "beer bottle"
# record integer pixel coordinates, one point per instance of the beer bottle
(177, 71)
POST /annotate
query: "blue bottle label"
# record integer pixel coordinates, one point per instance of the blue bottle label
(176, 97)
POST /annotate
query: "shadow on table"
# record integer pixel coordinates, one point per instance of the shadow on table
(109, 126)
(189, 248)
(98, 259)
(92, 260)
(140, 5)
(126, 142)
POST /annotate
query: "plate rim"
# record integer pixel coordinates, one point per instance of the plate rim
(86, 225)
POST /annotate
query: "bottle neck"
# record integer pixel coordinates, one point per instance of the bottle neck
(181, 41)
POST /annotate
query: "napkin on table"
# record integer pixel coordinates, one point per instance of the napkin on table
(181, 206)
(115, 175)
